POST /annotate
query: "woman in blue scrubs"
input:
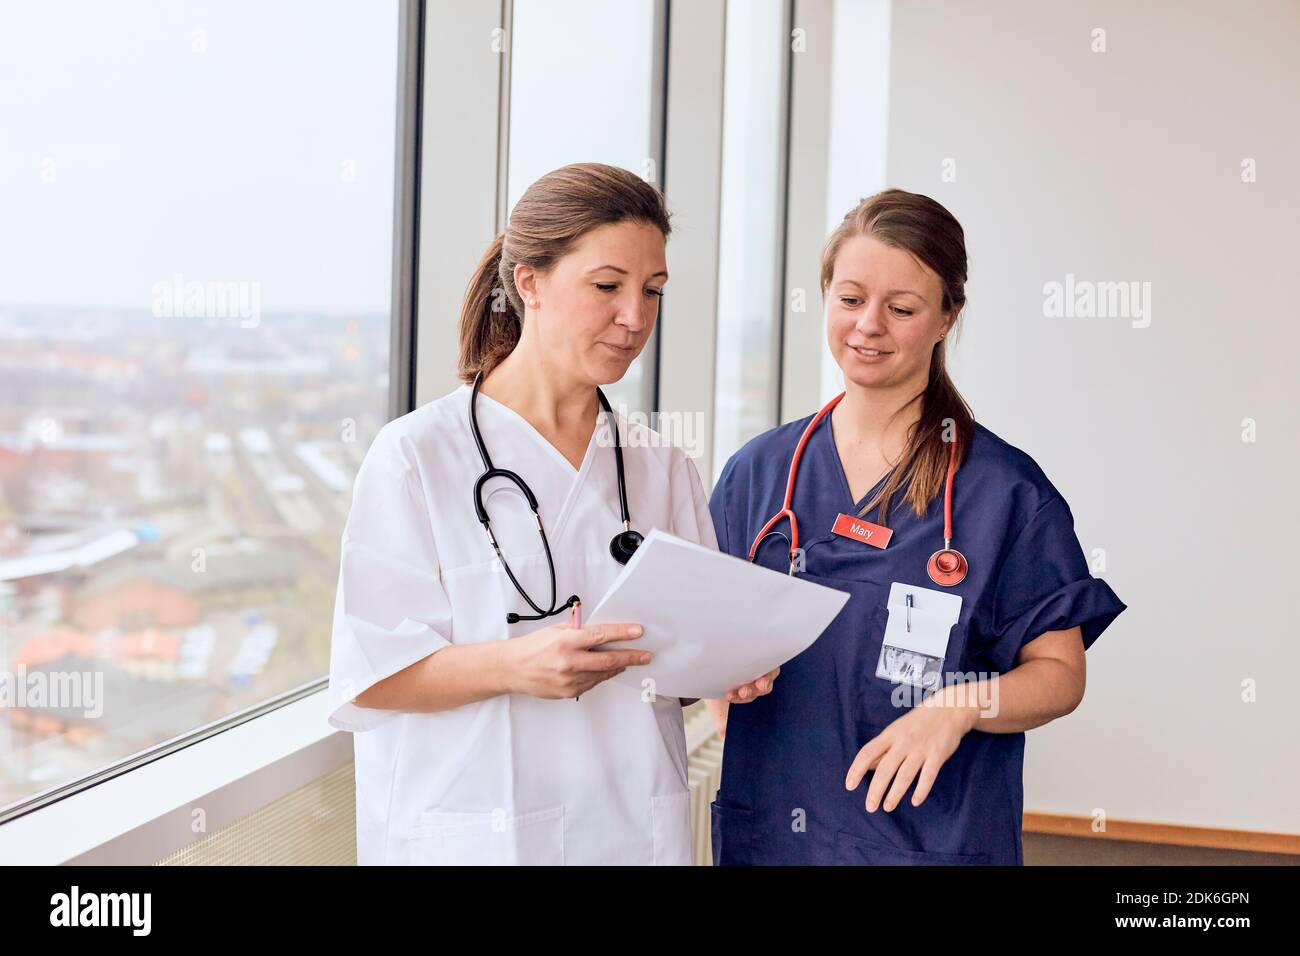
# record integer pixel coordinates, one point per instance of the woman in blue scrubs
(898, 736)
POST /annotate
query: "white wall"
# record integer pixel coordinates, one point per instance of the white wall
(1126, 165)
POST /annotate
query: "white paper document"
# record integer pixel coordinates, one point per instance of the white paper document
(712, 621)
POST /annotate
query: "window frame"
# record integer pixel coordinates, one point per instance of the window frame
(282, 743)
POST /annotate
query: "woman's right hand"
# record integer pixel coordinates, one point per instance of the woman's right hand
(562, 661)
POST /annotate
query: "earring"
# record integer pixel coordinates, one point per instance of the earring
(532, 303)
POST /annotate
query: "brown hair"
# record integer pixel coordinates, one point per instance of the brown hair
(547, 221)
(921, 226)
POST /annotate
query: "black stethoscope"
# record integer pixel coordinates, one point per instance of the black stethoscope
(622, 547)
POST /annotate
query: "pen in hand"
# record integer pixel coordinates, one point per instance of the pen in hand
(576, 621)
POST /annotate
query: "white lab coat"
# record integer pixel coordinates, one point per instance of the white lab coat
(511, 779)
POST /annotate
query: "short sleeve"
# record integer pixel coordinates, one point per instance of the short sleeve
(390, 610)
(1044, 584)
(691, 518)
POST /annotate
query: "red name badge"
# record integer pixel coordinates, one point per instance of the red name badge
(873, 534)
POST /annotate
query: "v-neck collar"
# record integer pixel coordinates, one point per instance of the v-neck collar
(541, 439)
(577, 477)
(836, 465)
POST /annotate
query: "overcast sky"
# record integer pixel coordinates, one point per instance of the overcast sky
(230, 162)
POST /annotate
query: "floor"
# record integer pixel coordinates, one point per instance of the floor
(1045, 850)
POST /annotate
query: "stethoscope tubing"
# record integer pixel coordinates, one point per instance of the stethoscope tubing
(787, 509)
(946, 567)
(621, 547)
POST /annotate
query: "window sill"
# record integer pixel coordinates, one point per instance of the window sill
(143, 815)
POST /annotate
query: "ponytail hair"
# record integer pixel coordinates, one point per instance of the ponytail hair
(923, 227)
(489, 322)
(550, 218)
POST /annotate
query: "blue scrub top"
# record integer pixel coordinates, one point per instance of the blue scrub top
(782, 798)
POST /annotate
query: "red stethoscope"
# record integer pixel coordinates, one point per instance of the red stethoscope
(947, 566)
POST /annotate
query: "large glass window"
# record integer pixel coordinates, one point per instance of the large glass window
(751, 227)
(196, 265)
(583, 88)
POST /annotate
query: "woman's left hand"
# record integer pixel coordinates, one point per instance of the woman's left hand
(754, 689)
(913, 747)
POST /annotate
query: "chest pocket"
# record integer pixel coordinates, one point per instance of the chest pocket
(904, 696)
(854, 641)
(478, 603)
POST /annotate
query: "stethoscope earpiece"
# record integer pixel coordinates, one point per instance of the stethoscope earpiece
(624, 546)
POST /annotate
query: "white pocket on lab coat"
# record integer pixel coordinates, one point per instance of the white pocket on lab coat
(491, 838)
(670, 816)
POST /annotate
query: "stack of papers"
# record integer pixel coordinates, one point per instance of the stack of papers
(712, 621)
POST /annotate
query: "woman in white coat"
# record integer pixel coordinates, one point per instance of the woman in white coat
(486, 727)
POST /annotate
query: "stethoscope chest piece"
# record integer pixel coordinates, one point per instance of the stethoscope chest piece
(624, 546)
(947, 567)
